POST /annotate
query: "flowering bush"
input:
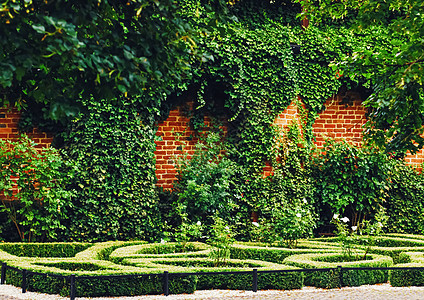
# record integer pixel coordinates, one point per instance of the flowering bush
(367, 232)
(204, 181)
(286, 205)
(349, 179)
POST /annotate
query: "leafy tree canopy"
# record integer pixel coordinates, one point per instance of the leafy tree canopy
(396, 73)
(56, 52)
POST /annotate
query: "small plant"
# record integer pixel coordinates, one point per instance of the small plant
(374, 229)
(187, 231)
(349, 237)
(221, 239)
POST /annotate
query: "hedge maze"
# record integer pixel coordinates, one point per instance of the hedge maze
(137, 268)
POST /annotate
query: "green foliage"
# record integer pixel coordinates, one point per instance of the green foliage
(111, 150)
(204, 181)
(38, 179)
(350, 237)
(405, 200)
(331, 278)
(93, 49)
(187, 231)
(44, 249)
(251, 67)
(281, 281)
(89, 287)
(286, 202)
(406, 277)
(394, 72)
(351, 180)
(221, 240)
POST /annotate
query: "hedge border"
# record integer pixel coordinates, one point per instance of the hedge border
(333, 277)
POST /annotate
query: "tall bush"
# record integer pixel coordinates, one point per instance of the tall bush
(286, 208)
(111, 148)
(350, 180)
(32, 183)
(204, 182)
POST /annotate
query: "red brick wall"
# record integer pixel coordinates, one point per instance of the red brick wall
(9, 119)
(175, 133)
(338, 121)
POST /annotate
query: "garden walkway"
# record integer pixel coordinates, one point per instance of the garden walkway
(366, 292)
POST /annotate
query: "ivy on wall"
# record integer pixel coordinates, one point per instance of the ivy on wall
(111, 149)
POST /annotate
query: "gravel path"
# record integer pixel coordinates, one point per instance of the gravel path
(365, 292)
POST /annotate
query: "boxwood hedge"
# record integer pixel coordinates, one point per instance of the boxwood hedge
(88, 261)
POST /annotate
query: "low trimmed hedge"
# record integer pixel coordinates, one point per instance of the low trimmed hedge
(272, 254)
(95, 287)
(192, 249)
(44, 249)
(392, 240)
(126, 258)
(409, 277)
(137, 257)
(333, 278)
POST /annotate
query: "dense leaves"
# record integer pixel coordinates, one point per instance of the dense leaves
(56, 52)
(394, 72)
(111, 150)
(351, 180)
(36, 181)
(204, 182)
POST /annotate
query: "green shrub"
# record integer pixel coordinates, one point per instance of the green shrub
(284, 200)
(279, 281)
(111, 149)
(192, 249)
(350, 180)
(204, 181)
(405, 200)
(93, 287)
(38, 178)
(44, 249)
(271, 254)
(407, 277)
(331, 278)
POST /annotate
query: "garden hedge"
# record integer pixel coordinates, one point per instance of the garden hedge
(130, 258)
(87, 261)
(332, 278)
(273, 254)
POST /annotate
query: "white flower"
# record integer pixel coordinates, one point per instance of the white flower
(198, 223)
(162, 241)
(379, 224)
(298, 215)
(336, 216)
(354, 228)
(305, 201)
(255, 224)
(345, 219)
